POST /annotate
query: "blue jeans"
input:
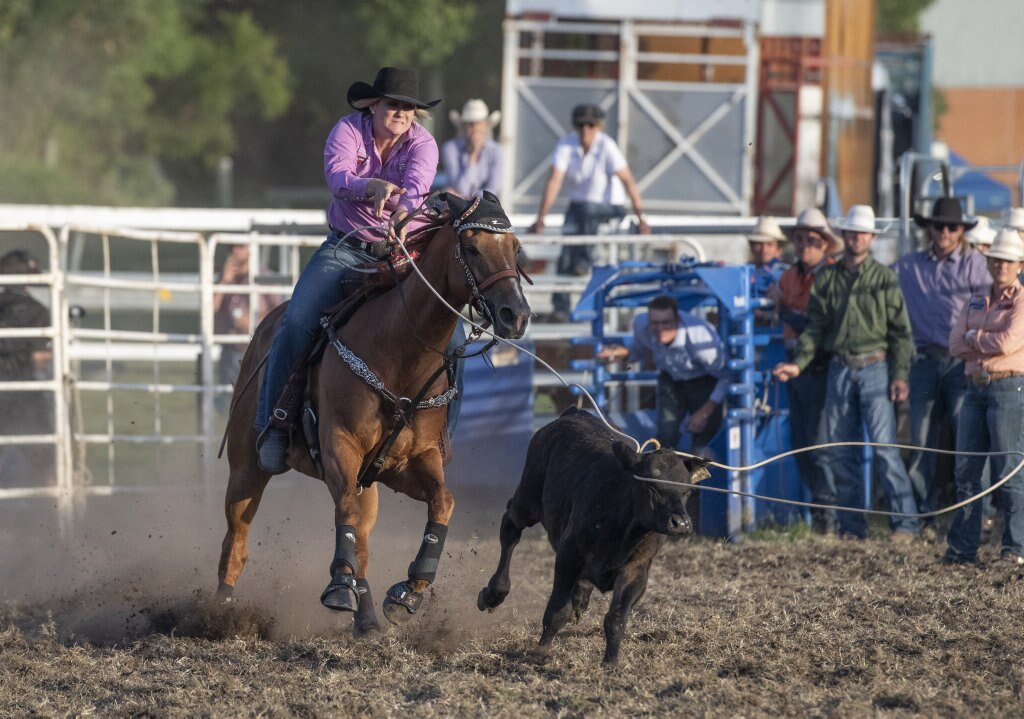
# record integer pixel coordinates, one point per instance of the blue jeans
(937, 387)
(318, 289)
(581, 218)
(807, 394)
(858, 400)
(991, 420)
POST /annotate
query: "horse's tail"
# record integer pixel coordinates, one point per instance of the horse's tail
(234, 401)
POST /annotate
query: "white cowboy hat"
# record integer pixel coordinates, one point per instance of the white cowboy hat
(1013, 217)
(814, 220)
(1008, 245)
(860, 218)
(475, 110)
(982, 233)
(767, 230)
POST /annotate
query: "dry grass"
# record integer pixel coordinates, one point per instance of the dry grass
(804, 628)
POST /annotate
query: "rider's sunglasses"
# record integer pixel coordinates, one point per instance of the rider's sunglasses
(581, 125)
(940, 226)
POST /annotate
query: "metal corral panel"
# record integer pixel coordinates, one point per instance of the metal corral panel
(678, 98)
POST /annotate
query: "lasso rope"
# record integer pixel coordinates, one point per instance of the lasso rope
(640, 448)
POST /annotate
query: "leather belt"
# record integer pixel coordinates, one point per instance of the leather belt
(937, 351)
(370, 248)
(861, 361)
(983, 378)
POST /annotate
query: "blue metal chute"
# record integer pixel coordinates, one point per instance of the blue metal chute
(754, 427)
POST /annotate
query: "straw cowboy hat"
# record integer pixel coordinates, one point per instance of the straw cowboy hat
(767, 230)
(395, 83)
(1013, 217)
(813, 219)
(946, 210)
(982, 233)
(860, 218)
(1008, 245)
(475, 110)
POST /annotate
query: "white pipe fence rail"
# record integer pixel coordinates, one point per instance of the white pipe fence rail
(134, 385)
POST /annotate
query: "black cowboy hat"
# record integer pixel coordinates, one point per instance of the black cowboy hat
(396, 83)
(946, 210)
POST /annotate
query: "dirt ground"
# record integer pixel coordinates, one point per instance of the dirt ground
(118, 623)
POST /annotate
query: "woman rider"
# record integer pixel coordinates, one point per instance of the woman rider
(379, 164)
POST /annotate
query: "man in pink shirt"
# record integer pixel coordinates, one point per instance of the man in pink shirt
(989, 336)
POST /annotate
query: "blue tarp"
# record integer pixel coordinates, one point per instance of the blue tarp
(989, 196)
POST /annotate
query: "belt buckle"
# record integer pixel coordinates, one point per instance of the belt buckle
(982, 378)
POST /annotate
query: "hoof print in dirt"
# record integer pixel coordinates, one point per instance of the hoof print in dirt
(401, 603)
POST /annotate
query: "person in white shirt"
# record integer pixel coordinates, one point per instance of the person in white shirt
(598, 180)
(692, 375)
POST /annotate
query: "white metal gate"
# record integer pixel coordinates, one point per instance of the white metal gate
(679, 98)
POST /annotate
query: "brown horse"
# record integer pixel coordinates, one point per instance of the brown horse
(400, 335)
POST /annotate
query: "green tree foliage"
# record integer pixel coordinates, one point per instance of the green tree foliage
(94, 95)
(415, 33)
(899, 16)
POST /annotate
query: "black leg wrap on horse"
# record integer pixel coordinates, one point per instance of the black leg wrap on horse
(344, 549)
(425, 565)
(342, 593)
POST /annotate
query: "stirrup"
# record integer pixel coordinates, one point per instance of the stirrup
(272, 450)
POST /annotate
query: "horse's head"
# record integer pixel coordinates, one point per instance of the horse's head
(488, 253)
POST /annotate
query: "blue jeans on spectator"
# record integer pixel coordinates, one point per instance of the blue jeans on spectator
(319, 288)
(937, 387)
(581, 218)
(991, 420)
(807, 394)
(857, 400)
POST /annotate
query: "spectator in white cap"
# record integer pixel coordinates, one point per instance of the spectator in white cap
(856, 314)
(981, 235)
(765, 244)
(988, 335)
(472, 161)
(1013, 218)
(813, 244)
(936, 282)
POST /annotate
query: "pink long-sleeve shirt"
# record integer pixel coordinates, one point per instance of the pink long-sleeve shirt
(351, 160)
(997, 341)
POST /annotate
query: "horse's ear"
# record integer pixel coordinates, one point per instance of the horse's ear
(456, 204)
(491, 197)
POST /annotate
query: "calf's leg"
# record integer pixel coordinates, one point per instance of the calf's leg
(498, 587)
(560, 608)
(630, 585)
(581, 598)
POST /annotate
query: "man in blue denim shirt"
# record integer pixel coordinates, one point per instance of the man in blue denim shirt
(936, 282)
(857, 314)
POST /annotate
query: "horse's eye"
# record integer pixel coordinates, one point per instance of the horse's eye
(472, 250)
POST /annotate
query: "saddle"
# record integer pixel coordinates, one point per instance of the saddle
(361, 282)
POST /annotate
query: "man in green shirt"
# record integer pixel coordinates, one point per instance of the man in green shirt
(857, 316)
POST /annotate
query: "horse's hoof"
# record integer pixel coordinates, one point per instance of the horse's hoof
(225, 593)
(401, 603)
(340, 595)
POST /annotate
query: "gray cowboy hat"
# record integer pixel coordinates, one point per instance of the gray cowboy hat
(395, 83)
(946, 210)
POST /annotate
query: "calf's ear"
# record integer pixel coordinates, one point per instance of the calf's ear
(698, 471)
(626, 454)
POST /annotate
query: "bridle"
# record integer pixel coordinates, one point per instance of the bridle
(477, 300)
